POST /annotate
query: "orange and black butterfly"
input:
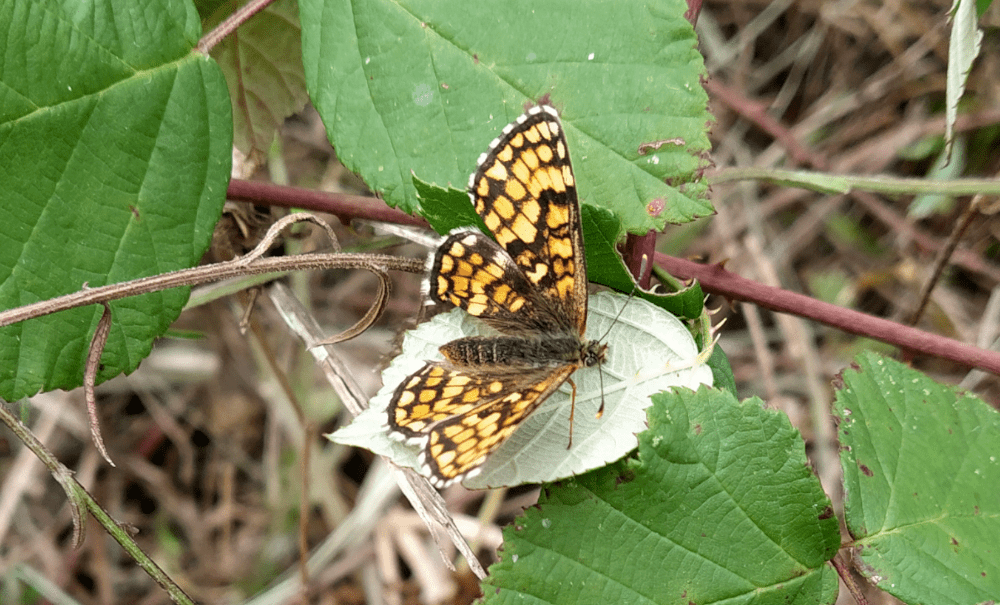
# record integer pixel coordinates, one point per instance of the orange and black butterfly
(530, 285)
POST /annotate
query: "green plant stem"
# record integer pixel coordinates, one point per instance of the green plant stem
(80, 500)
(845, 183)
(668, 280)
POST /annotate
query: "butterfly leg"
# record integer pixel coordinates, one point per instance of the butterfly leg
(572, 410)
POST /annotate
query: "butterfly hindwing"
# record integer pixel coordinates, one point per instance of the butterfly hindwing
(460, 415)
(469, 270)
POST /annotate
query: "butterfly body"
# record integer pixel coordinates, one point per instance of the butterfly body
(532, 352)
(529, 285)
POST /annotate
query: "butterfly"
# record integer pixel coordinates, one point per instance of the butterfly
(530, 285)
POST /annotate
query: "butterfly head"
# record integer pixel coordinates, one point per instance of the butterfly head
(593, 352)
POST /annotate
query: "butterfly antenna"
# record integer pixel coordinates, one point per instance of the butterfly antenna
(635, 288)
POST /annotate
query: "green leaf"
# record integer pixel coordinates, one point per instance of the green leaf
(446, 209)
(115, 142)
(423, 86)
(964, 45)
(648, 351)
(720, 505)
(921, 474)
(262, 63)
(722, 372)
(601, 232)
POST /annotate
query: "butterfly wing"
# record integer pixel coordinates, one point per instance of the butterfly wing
(459, 415)
(525, 191)
(469, 270)
(531, 282)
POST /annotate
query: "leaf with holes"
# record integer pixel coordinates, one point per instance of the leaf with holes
(922, 483)
(421, 87)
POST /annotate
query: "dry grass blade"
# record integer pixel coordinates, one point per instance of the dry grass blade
(425, 499)
(305, 327)
(973, 210)
(431, 507)
(373, 313)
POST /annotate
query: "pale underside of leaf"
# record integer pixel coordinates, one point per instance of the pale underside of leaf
(649, 351)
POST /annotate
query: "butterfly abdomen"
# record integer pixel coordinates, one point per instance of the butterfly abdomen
(535, 351)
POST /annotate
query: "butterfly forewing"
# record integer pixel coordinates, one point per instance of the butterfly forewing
(525, 192)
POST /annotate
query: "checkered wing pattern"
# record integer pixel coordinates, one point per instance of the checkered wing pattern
(460, 415)
(469, 270)
(525, 191)
(530, 284)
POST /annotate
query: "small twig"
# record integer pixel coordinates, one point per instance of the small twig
(374, 311)
(97, 343)
(80, 500)
(268, 240)
(209, 273)
(238, 18)
(251, 304)
(845, 576)
(944, 255)
(715, 279)
(279, 225)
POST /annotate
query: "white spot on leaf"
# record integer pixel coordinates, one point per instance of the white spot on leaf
(423, 95)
